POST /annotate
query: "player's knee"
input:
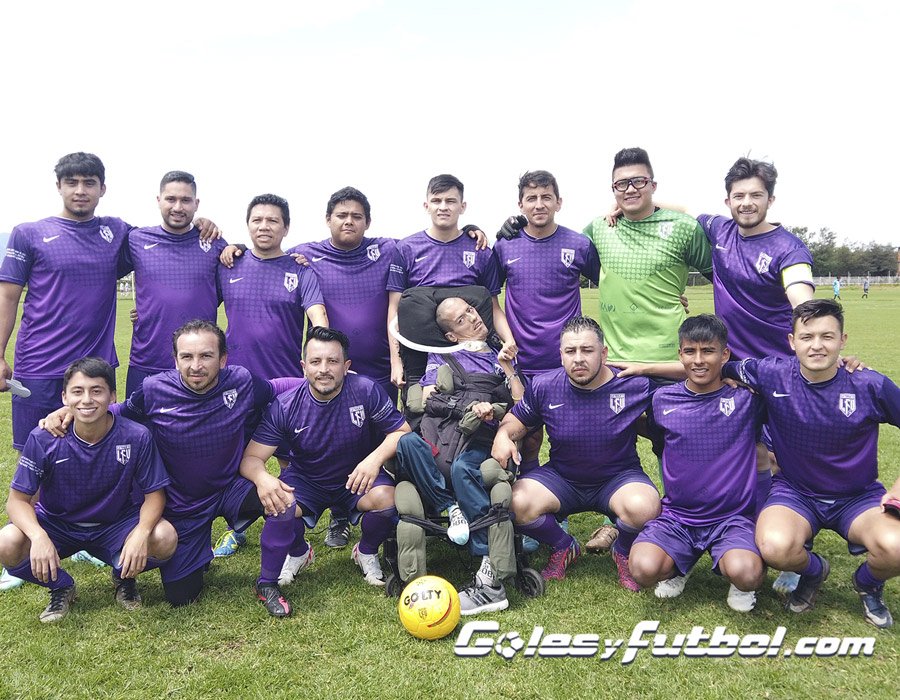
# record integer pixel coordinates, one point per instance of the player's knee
(163, 540)
(13, 546)
(646, 569)
(380, 498)
(639, 508)
(525, 509)
(776, 545)
(744, 570)
(885, 547)
(185, 590)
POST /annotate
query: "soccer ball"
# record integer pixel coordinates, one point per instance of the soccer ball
(429, 607)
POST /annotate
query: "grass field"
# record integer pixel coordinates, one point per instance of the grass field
(345, 641)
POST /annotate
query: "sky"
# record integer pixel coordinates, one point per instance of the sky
(303, 98)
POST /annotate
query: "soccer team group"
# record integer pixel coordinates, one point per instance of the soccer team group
(137, 484)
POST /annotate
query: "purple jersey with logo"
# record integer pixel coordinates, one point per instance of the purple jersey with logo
(543, 290)
(422, 261)
(329, 438)
(353, 284)
(175, 282)
(70, 269)
(592, 433)
(748, 289)
(201, 437)
(475, 362)
(709, 454)
(266, 302)
(90, 484)
(825, 433)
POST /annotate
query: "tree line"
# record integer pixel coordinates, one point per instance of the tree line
(831, 258)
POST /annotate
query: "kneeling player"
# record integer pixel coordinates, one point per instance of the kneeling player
(332, 422)
(824, 423)
(709, 432)
(86, 481)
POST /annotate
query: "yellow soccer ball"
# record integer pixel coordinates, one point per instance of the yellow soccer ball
(429, 607)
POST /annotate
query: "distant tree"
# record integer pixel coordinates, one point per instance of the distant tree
(832, 259)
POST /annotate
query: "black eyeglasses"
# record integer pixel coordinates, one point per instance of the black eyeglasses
(638, 183)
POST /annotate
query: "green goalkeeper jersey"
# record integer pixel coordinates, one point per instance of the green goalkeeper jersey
(643, 272)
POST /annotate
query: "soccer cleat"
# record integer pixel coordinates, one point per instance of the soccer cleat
(338, 533)
(481, 597)
(625, 578)
(229, 543)
(458, 530)
(560, 560)
(8, 581)
(61, 600)
(803, 597)
(786, 582)
(88, 559)
(874, 609)
(529, 544)
(671, 587)
(294, 565)
(126, 592)
(602, 539)
(741, 601)
(370, 566)
(272, 597)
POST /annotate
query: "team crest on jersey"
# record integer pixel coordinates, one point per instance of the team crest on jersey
(468, 258)
(229, 397)
(373, 252)
(847, 404)
(358, 415)
(762, 263)
(205, 245)
(617, 402)
(726, 406)
(666, 228)
(123, 453)
(567, 255)
(106, 233)
(290, 281)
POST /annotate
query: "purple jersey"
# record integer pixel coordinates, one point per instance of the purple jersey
(475, 362)
(422, 261)
(709, 454)
(329, 438)
(353, 283)
(592, 433)
(748, 288)
(70, 269)
(825, 433)
(543, 290)
(266, 301)
(90, 484)
(175, 282)
(201, 437)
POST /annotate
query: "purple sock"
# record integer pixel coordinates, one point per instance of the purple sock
(298, 549)
(274, 542)
(763, 484)
(625, 539)
(545, 529)
(23, 571)
(813, 566)
(375, 527)
(865, 578)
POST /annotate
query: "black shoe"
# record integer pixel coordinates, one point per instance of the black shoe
(338, 534)
(272, 597)
(61, 600)
(804, 596)
(126, 592)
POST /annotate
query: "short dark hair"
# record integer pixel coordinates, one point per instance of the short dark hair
(442, 183)
(817, 308)
(93, 367)
(537, 178)
(632, 156)
(577, 324)
(84, 164)
(702, 329)
(745, 168)
(349, 194)
(275, 201)
(327, 335)
(178, 176)
(200, 325)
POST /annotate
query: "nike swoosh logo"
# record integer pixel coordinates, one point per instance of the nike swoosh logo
(167, 410)
(779, 396)
(510, 261)
(300, 430)
(321, 257)
(47, 239)
(422, 258)
(148, 246)
(64, 459)
(667, 411)
(719, 247)
(554, 406)
(232, 280)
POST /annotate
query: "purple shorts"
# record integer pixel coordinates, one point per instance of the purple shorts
(685, 544)
(314, 499)
(103, 541)
(195, 530)
(835, 514)
(46, 397)
(579, 498)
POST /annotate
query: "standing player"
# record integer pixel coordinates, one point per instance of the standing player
(836, 288)
(87, 483)
(824, 423)
(342, 428)
(865, 294)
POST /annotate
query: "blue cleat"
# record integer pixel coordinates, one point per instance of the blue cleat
(88, 559)
(229, 543)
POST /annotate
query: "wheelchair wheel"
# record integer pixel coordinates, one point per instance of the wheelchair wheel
(530, 583)
(393, 586)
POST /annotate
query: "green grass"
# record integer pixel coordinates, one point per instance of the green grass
(345, 640)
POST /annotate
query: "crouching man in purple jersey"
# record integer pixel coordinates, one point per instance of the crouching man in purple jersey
(341, 429)
(709, 431)
(86, 482)
(824, 425)
(590, 416)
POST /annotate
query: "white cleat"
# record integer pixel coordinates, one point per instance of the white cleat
(294, 565)
(370, 566)
(741, 601)
(670, 588)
